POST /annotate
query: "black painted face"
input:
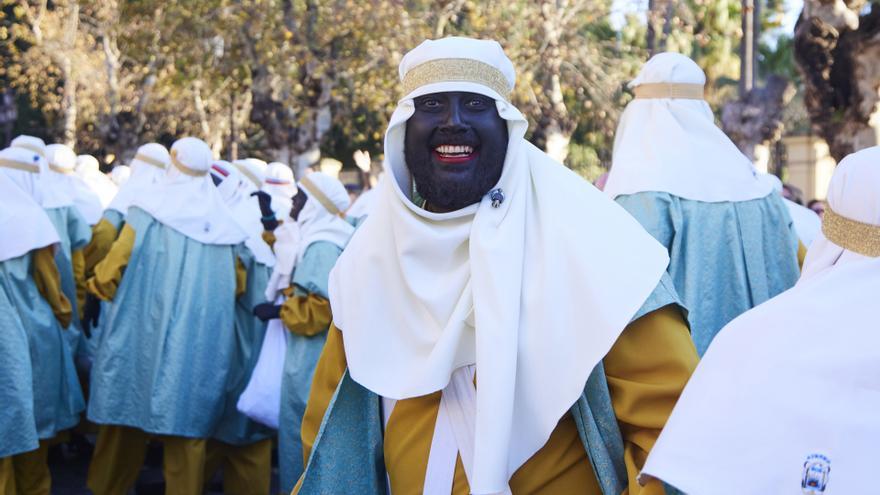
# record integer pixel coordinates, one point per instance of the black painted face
(299, 201)
(455, 147)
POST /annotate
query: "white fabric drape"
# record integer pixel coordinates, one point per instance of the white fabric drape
(147, 168)
(673, 145)
(190, 204)
(88, 169)
(236, 191)
(24, 225)
(62, 165)
(533, 292)
(316, 223)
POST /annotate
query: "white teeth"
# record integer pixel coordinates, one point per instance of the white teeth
(448, 149)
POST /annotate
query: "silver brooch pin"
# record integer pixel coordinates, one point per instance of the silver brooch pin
(497, 197)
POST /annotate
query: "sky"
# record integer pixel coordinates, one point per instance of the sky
(620, 8)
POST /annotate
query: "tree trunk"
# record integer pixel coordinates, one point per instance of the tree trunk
(557, 125)
(747, 49)
(756, 119)
(837, 51)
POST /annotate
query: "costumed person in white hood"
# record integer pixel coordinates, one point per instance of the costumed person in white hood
(279, 184)
(147, 168)
(44, 388)
(162, 370)
(483, 258)
(729, 236)
(120, 174)
(89, 170)
(73, 229)
(323, 234)
(62, 165)
(785, 400)
(240, 447)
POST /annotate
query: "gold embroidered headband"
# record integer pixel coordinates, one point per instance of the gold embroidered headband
(319, 195)
(456, 70)
(149, 160)
(669, 90)
(14, 164)
(852, 235)
(60, 170)
(247, 173)
(183, 168)
(30, 147)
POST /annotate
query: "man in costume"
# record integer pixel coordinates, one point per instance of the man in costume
(72, 227)
(499, 325)
(162, 370)
(800, 416)
(279, 184)
(323, 234)
(240, 447)
(89, 170)
(729, 236)
(33, 301)
(147, 167)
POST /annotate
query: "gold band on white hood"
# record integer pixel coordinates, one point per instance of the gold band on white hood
(247, 173)
(149, 160)
(60, 170)
(319, 195)
(669, 90)
(30, 147)
(456, 70)
(17, 165)
(852, 235)
(183, 168)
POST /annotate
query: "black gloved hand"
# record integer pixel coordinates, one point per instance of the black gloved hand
(91, 313)
(267, 311)
(269, 221)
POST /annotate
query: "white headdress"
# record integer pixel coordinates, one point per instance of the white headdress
(321, 218)
(54, 188)
(667, 140)
(22, 166)
(88, 169)
(62, 165)
(24, 225)
(533, 290)
(236, 192)
(186, 200)
(147, 168)
(279, 184)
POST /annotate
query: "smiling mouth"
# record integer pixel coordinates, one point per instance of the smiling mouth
(454, 154)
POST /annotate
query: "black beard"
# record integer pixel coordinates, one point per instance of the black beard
(447, 195)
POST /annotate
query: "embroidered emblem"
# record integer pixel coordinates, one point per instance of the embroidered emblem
(497, 197)
(817, 468)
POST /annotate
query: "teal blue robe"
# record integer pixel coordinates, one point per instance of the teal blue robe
(18, 427)
(235, 428)
(57, 396)
(310, 276)
(725, 258)
(163, 366)
(75, 234)
(348, 453)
